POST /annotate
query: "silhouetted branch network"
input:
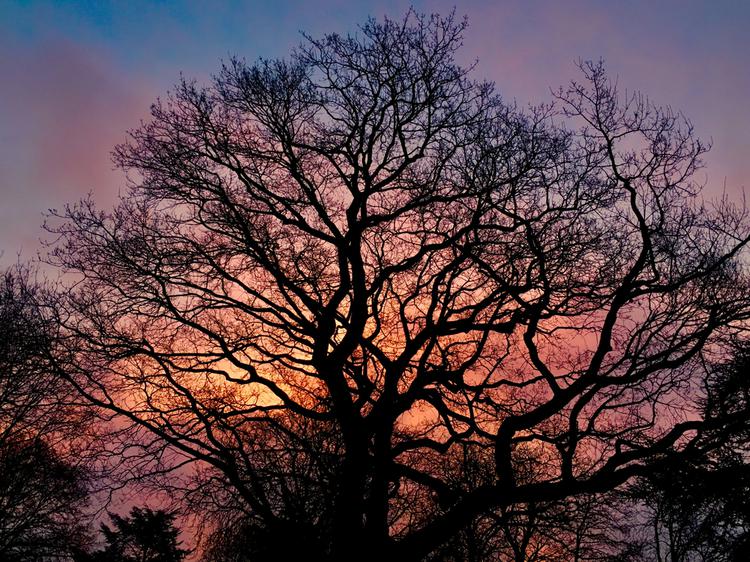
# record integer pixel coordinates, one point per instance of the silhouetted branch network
(339, 277)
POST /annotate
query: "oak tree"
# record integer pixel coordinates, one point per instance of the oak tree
(333, 273)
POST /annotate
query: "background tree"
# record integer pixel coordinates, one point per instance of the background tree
(698, 508)
(364, 238)
(144, 536)
(43, 491)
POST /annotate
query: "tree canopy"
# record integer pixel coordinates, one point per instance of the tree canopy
(375, 304)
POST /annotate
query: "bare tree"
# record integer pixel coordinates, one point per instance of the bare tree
(363, 239)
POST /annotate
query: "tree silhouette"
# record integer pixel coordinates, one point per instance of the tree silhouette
(144, 536)
(699, 508)
(332, 273)
(43, 493)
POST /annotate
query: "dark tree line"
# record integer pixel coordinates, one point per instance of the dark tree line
(356, 306)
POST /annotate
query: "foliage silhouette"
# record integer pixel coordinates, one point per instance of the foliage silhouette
(144, 536)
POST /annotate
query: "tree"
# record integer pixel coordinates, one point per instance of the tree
(584, 528)
(42, 492)
(699, 508)
(364, 241)
(144, 536)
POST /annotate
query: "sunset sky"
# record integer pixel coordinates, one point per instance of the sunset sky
(74, 76)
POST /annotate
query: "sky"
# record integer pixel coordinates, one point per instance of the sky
(75, 76)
